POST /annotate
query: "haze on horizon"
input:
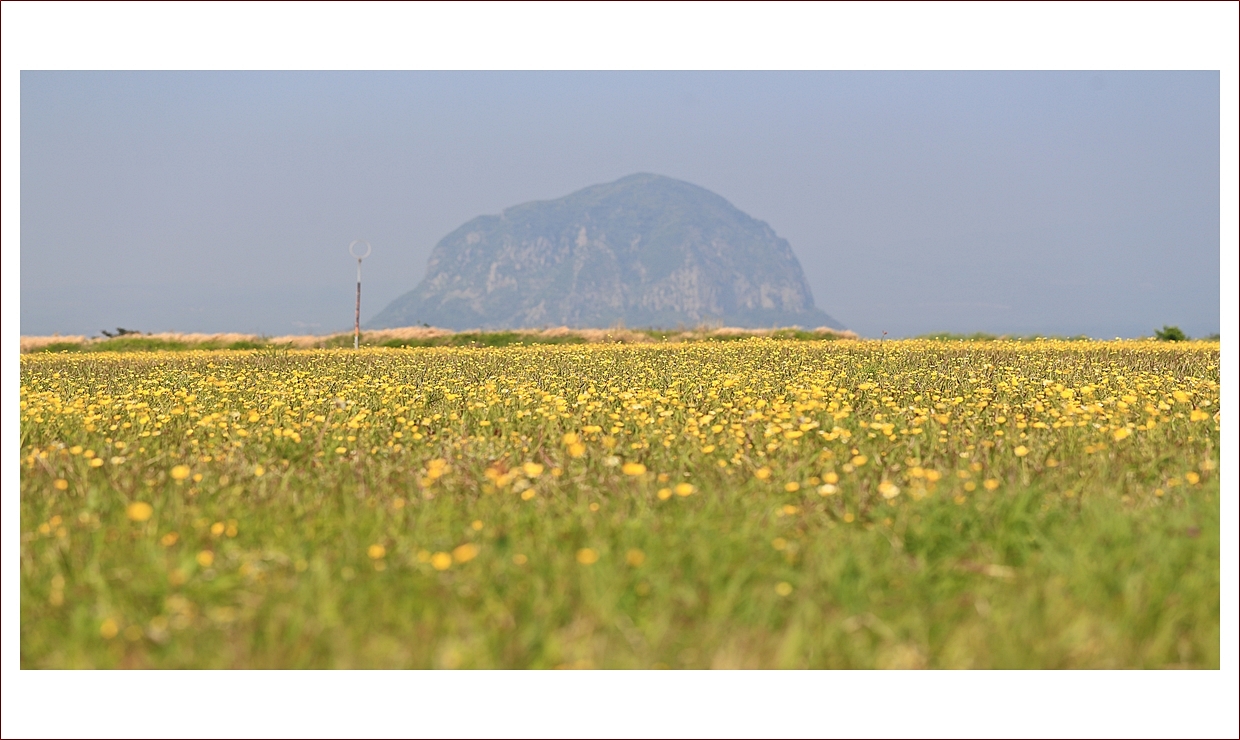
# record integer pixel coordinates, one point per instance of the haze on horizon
(1005, 202)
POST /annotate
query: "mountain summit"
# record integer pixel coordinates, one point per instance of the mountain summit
(644, 250)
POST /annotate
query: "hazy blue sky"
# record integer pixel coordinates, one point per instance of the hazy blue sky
(1057, 202)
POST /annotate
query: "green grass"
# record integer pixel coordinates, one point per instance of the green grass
(984, 337)
(1097, 586)
(146, 344)
(483, 339)
(368, 339)
(702, 336)
(1080, 557)
(62, 347)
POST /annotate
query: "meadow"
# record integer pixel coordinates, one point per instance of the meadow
(124, 340)
(760, 503)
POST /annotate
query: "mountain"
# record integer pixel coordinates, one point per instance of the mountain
(645, 250)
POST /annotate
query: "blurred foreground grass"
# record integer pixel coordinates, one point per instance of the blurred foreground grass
(758, 503)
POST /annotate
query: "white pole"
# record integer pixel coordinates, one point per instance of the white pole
(357, 306)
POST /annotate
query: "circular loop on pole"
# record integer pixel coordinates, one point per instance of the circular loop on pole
(354, 243)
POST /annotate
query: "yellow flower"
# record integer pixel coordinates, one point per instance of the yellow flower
(792, 487)
(827, 489)
(436, 468)
(633, 468)
(859, 460)
(96, 462)
(783, 588)
(831, 477)
(169, 539)
(139, 511)
(1198, 415)
(664, 494)
(762, 473)
(576, 449)
(441, 561)
(532, 469)
(476, 525)
(635, 557)
(465, 553)
(205, 558)
(109, 629)
(888, 490)
(570, 439)
(685, 489)
(341, 450)
(180, 472)
(586, 556)
(1121, 434)
(1180, 396)
(990, 484)
(61, 484)
(259, 471)
(1021, 451)
(374, 552)
(1192, 478)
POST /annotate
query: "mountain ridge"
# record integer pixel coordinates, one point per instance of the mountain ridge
(644, 250)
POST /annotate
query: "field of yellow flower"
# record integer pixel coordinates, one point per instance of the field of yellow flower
(758, 503)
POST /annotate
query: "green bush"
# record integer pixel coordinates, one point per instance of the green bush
(1170, 334)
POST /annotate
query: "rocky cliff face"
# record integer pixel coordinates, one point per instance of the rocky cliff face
(644, 250)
